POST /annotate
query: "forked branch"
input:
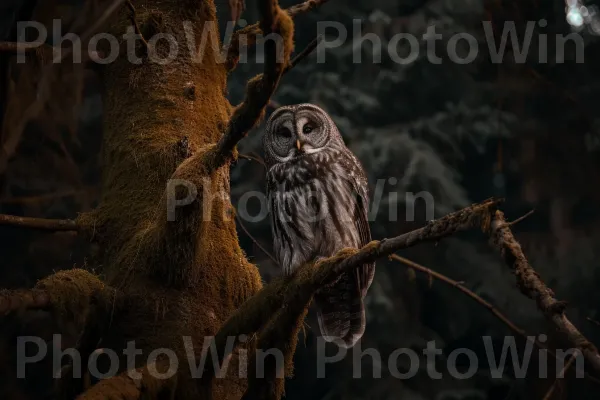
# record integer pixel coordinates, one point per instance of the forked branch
(532, 286)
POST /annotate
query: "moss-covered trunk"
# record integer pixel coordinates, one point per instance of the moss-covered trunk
(183, 277)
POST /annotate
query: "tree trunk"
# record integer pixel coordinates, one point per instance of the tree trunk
(184, 277)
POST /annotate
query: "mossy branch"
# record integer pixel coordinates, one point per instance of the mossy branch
(68, 294)
(71, 293)
(13, 300)
(281, 333)
(251, 32)
(260, 88)
(532, 286)
(136, 384)
(254, 314)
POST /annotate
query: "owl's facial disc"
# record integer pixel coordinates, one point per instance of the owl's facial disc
(282, 137)
(311, 135)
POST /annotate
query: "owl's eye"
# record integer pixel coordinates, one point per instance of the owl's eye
(308, 128)
(284, 132)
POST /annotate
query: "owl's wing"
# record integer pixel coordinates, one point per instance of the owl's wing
(361, 222)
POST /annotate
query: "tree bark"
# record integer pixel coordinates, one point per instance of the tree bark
(184, 277)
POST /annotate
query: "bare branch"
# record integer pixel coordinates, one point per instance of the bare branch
(470, 293)
(531, 285)
(304, 53)
(521, 218)
(40, 223)
(593, 321)
(561, 375)
(459, 285)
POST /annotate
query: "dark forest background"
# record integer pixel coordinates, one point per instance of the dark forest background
(527, 132)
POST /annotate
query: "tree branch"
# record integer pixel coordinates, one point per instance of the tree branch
(561, 375)
(531, 285)
(281, 333)
(304, 53)
(443, 278)
(480, 300)
(133, 385)
(305, 7)
(40, 223)
(257, 311)
(13, 300)
(308, 279)
(251, 32)
(260, 88)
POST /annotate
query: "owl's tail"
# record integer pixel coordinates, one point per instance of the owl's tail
(341, 312)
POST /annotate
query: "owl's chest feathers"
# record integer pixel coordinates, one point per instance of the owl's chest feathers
(314, 204)
(310, 181)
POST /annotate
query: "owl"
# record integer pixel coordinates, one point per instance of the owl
(318, 199)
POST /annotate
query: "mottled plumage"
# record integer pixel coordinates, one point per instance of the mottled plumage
(318, 200)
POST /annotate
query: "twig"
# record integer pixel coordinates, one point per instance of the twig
(133, 18)
(254, 240)
(40, 223)
(459, 285)
(561, 375)
(273, 104)
(516, 221)
(253, 158)
(533, 287)
(304, 53)
(593, 321)
(260, 88)
(468, 292)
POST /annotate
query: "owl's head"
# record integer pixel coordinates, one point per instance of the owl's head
(298, 130)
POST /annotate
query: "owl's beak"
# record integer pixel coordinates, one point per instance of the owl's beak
(298, 144)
